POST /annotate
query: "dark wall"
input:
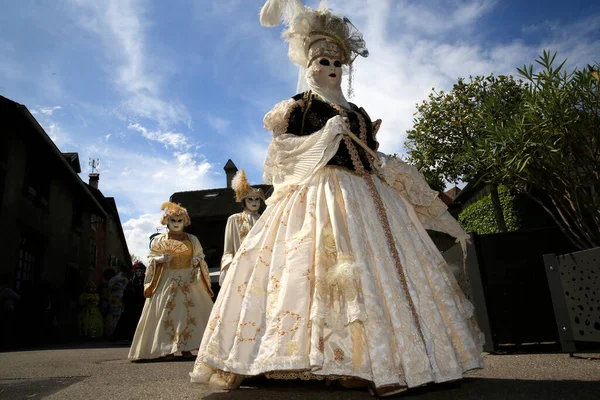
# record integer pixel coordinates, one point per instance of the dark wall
(211, 234)
(514, 283)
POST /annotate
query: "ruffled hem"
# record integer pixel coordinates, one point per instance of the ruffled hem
(299, 369)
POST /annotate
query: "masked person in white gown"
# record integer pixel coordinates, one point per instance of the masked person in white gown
(239, 224)
(177, 291)
(338, 279)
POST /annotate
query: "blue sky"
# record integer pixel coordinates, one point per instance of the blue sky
(163, 93)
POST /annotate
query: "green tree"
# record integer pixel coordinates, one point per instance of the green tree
(550, 148)
(448, 128)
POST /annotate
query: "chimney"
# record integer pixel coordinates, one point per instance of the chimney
(94, 178)
(230, 170)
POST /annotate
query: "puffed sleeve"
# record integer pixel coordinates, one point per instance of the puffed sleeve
(277, 119)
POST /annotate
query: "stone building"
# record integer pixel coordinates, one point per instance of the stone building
(58, 231)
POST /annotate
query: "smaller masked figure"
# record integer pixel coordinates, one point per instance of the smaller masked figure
(133, 301)
(177, 291)
(238, 225)
(89, 321)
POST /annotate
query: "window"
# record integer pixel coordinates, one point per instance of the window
(95, 221)
(28, 261)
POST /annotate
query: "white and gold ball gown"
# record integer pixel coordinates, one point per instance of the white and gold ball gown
(339, 278)
(178, 301)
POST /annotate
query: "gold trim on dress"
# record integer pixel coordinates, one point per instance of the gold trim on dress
(158, 271)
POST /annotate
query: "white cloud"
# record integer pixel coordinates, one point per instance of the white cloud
(138, 75)
(220, 124)
(61, 138)
(255, 147)
(49, 110)
(137, 233)
(177, 141)
(150, 106)
(431, 46)
(542, 26)
(142, 182)
(433, 18)
(106, 137)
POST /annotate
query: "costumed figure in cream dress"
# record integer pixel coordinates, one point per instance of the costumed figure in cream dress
(177, 290)
(238, 225)
(338, 279)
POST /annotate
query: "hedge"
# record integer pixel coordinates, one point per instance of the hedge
(479, 216)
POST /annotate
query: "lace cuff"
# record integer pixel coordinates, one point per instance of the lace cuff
(409, 182)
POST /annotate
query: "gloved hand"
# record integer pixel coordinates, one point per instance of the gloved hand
(165, 258)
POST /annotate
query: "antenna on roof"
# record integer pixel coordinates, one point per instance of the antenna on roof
(94, 163)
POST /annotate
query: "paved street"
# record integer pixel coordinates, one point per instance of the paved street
(103, 372)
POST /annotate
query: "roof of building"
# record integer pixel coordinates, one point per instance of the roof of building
(66, 161)
(452, 193)
(73, 160)
(445, 198)
(212, 203)
(467, 191)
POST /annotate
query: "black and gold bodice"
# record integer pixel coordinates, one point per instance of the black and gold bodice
(310, 114)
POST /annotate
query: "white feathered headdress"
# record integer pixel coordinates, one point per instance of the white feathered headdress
(242, 188)
(313, 33)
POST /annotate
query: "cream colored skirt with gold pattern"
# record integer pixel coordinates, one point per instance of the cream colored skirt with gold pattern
(314, 292)
(174, 318)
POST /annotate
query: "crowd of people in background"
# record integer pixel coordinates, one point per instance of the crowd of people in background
(106, 310)
(112, 309)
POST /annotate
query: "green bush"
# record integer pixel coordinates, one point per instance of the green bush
(479, 216)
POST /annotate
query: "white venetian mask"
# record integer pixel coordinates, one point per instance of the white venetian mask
(326, 73)
(175, 223)
(252, 203)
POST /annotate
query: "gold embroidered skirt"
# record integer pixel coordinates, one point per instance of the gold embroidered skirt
(174, 318)
(315, 291)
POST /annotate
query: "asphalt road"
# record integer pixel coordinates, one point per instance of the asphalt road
(104, 373)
